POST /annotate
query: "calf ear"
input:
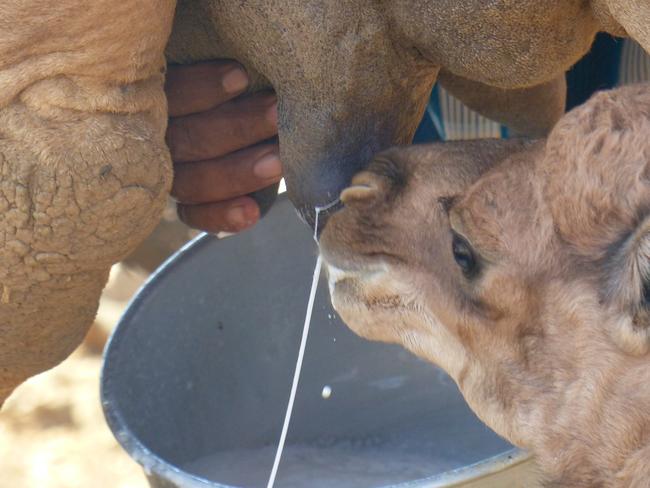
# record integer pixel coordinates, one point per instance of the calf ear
(629, 279)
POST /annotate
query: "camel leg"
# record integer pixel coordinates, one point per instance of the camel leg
(84, 170)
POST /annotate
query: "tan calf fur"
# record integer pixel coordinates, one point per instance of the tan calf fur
(84, 167)
(522, 269)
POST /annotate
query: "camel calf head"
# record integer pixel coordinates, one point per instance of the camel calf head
(522, 269)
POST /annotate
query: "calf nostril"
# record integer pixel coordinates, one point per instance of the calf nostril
(364, 186)
(358, 192)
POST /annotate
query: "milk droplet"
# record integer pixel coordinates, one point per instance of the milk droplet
(327, 392)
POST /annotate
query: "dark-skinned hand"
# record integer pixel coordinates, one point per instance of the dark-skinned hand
(219, 143)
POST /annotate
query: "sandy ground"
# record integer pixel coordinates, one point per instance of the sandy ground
(52, 429)
(53, 433)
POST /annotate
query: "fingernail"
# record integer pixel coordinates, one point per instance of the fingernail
(236, 216)
(234, 80)
(272, 114)
(268, 166)
(240, 217)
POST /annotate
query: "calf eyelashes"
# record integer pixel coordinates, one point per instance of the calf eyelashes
(465, 257)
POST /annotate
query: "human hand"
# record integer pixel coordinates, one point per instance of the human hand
(219, 143)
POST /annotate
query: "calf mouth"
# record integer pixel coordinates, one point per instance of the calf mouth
(349, 280)
(344, 277)
(343, 264)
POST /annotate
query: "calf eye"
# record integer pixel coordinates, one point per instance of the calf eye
(464, 256)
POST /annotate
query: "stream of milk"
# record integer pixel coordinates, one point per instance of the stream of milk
(301, 350)
(296, 374)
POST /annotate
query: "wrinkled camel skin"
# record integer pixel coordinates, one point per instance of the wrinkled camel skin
(85, 169)
(548, 336)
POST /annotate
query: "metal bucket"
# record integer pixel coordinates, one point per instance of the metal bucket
(202, 361)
